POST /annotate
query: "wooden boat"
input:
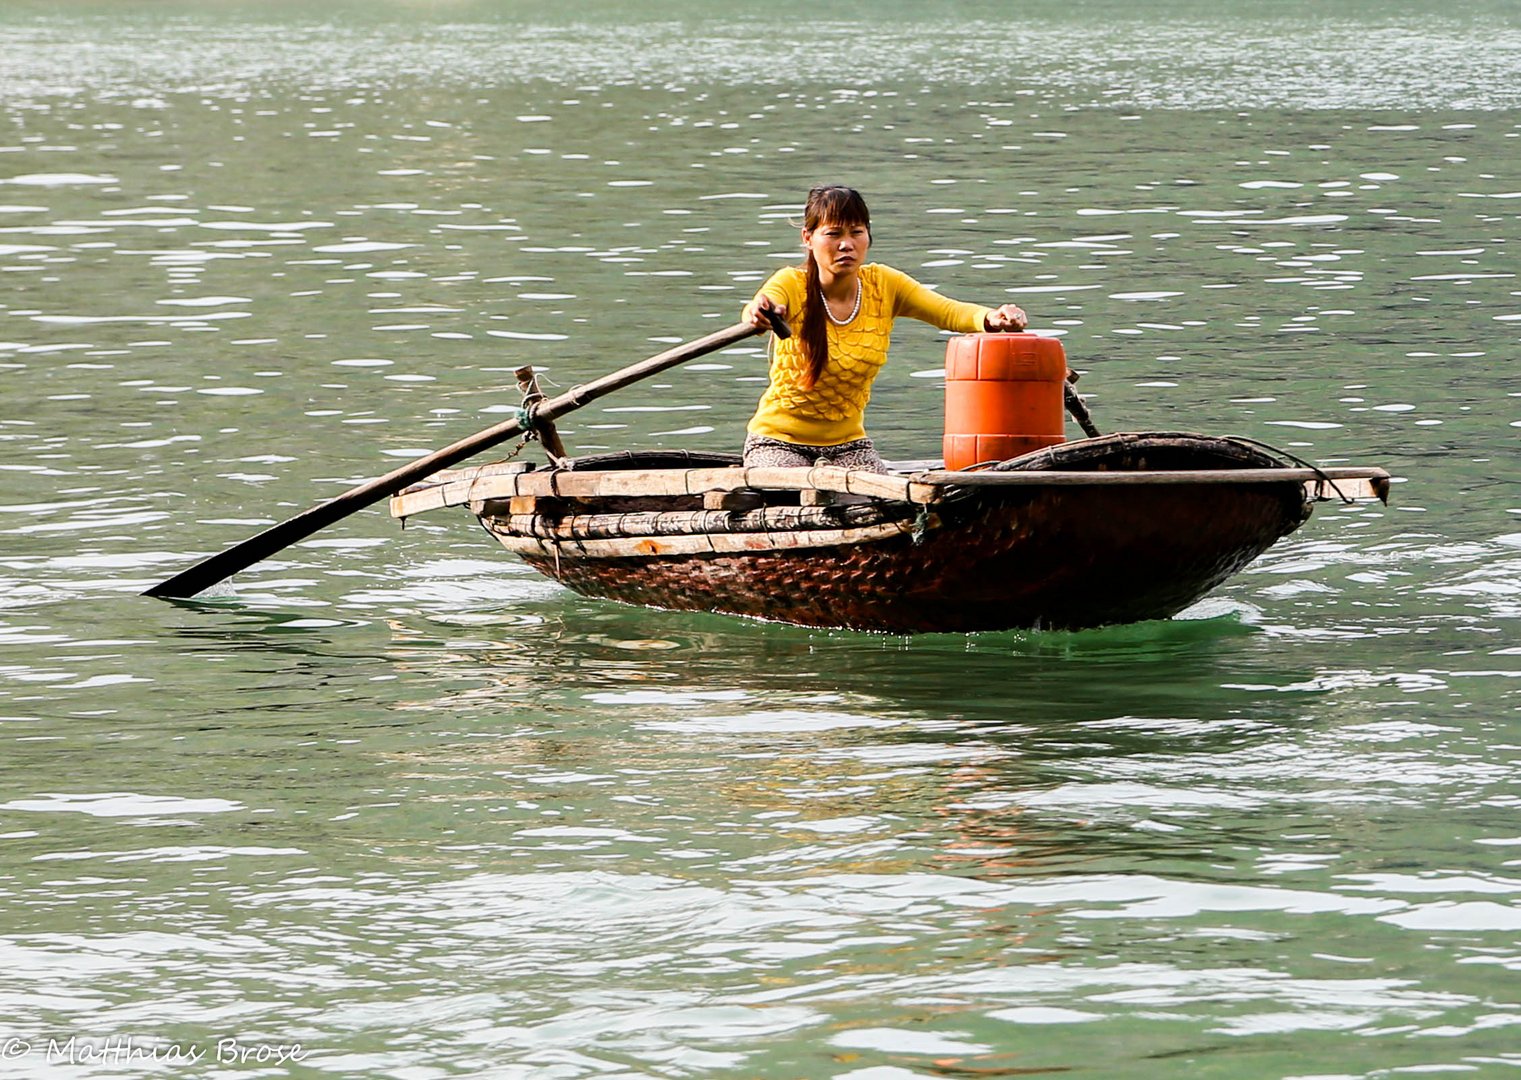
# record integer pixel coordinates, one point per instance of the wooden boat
(1109, 529)
(1113, 529)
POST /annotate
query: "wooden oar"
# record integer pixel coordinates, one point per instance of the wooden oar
(219, 567)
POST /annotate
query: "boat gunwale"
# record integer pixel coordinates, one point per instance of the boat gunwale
(475, 486)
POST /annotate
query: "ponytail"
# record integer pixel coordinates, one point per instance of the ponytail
(815, 332)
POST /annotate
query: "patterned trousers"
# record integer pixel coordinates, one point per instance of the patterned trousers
(860, 454)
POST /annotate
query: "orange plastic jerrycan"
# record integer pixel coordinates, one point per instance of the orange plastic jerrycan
(1003, 396)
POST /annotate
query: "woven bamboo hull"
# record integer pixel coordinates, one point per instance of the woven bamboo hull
(1116, 529)
(1047, 558)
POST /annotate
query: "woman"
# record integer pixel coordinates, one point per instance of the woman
(841, 309)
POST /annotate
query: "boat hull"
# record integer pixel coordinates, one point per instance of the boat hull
(1049, 558)
(1115, 529)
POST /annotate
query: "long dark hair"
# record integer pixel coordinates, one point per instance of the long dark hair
(828, 204)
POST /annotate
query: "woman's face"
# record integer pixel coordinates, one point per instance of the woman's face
(838, 249)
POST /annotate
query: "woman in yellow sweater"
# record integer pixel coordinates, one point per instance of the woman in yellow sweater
(841, 309)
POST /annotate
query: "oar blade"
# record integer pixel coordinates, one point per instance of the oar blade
(276, 538)
(221, 566)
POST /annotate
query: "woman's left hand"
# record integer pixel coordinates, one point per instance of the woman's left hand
(1009, 318)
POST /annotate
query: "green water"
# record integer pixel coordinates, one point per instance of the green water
(399, 800)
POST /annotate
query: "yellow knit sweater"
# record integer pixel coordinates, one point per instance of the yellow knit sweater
(832, 411)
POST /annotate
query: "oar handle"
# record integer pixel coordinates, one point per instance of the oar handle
(778, 323)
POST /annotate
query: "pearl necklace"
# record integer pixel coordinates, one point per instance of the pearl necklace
(847, 320)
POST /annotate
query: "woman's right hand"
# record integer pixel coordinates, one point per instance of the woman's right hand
(755, 311)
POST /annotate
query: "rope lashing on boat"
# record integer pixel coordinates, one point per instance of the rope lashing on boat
(1321, 478)
(524, 416)
(527, 418)
(921, 524)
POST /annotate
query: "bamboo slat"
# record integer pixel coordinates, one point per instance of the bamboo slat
(481, 485)
(769, 519)
(510, 532)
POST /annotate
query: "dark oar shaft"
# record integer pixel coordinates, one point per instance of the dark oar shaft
(1078, 407)
(222, 566)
